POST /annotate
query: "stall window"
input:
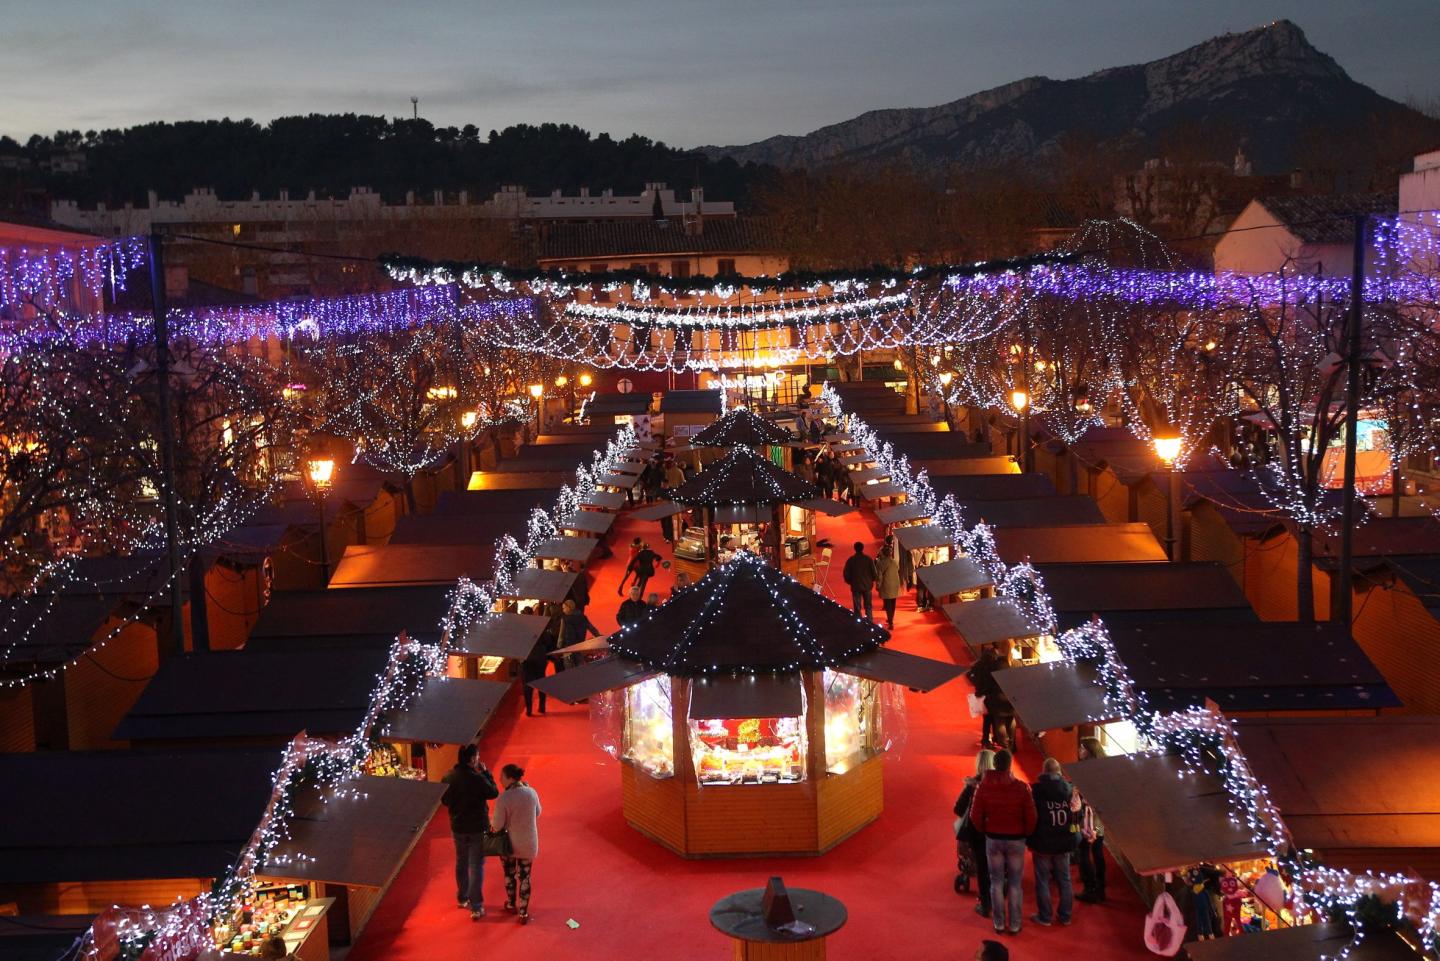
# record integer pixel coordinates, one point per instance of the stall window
(1120, 737)
(650, 727)
(852, 721)
(756, 750)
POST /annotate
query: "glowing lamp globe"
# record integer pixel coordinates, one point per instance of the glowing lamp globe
(321, 471)
(586, 380)
(537, 390)
(1167, 448)
(1019, 399)
(946, 378)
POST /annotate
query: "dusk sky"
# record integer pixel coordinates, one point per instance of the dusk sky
(685, 72)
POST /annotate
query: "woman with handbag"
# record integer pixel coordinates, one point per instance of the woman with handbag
(516, 814)
(1091, 852)
(971, 841)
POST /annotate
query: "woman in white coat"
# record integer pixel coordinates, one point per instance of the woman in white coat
(517, 810)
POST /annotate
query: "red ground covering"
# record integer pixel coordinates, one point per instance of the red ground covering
(634, 899)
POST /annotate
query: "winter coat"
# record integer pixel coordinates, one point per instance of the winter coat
(517, 812)
(643, 563)
(887, 577)
(982, 675)
(573, 628)
(631, 611)
(1052, 816)
(860, 573)
(468, 798)
(1003, 808)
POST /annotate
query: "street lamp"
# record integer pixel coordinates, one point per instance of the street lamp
(586, 380)
(1020, 400)
(945, 378)
(320, 470)
(1167, 448)
(537, 391)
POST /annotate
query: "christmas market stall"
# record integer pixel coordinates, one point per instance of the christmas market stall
(495, 645)
(1079, 544)
(426, 735)
(999, 622)
(309, 619)
(1308, 942)
(958, 579)
(741, 427)
(751, 714)
(744, 501)
(1139, 593)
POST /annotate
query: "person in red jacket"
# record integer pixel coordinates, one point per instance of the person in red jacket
(1004, 812)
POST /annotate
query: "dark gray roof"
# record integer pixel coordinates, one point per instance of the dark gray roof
(1265, 666)
(129, 815)
(618, 403)
(1327, 218)
(518, 501)
(51, 630)
(643, 238)
(1033, 511)
(1422, 576)
(690, 402)
(252, 694)
(361, 610)
(484, 529)
(1123, 593)
(991, 487)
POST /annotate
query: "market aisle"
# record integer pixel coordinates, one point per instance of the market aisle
(633, 899)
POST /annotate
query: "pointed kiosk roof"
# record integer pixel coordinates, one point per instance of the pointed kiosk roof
(744, 477)
(746, 617)
(741, 428)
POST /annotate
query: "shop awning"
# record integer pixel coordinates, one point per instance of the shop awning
(749, 695)
(567, 549)
(826, 506)
(359, 836)
(502, 635)
(903, 513)
(1160, 817)
(872, 492)
(744, 514)
(1309, 942)
(843, 446)
(448, 710)
(908, 670)
(953, 577)
(856, 457)
(534, 584)
(620, 480)
(593, 677)
(632, 464)
(659, 511)
(919, 538)
(588, 522)
(591, 645)
(1055, 695)
(868, 474)
(604, 500)
(989, 620)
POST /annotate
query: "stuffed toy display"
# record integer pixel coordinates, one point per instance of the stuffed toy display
(1232, 896)
(1203, 881)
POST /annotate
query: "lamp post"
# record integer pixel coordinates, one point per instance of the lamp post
(468, 420)
(1021, 401)
(1167, 448)
(945, 378)
(537, 392)
(321, 472)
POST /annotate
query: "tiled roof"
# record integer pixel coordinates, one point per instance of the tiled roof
(643, 238)
(1327, 218)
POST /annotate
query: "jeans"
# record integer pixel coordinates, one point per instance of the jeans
(889, 604)
(469, 869)
(865, 597)
(1053, 867)
(1007, 866)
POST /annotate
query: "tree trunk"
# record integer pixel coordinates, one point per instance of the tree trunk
(1395, 490)
(1304, 576)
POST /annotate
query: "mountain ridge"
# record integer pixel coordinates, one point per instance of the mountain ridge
(1269, 88)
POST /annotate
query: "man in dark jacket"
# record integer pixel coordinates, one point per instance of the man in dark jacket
(1004, 812)
(642, 565)
(982, 676)
(1052, 843)
(860, 575)
(632, 608)
(471, 788)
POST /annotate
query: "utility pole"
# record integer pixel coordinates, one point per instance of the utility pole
(167, 434)
(1343, 602)
(414, 108)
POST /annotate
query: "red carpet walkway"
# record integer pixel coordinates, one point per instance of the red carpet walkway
(635, 900)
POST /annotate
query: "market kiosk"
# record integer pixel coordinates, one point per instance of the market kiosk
(751, 714)
(998, 622)
(446, 714)
(495, 646)
(1060, 702)
(761, 507)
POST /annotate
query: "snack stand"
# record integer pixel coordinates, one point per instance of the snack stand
(495, 645)
(998, 622)
(751, 714)
(446, 714)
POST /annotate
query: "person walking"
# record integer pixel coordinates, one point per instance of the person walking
(1004, 812)
(533, 667)
(1052, 844)
(642, 565)
(806, 470)
(859, 573)
(982, 676)
(470, 788)
(635, 547)
(1002, 719)
(1091, 850)
(968, 835)
(517, 813)
(674, 476)
(887, 582)
(825, 474)
(574, 626)
(632, 608)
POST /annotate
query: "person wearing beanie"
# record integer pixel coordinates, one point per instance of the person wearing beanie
(1004, 811)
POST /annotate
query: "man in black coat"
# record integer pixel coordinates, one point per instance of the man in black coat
(1052, 843)
(860, 575)
(470, 789)
(632, 608)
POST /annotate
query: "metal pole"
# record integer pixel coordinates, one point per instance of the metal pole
(1172, 516)
(324, 548)
(1024, 441)
(167, 435)
(1342, 605)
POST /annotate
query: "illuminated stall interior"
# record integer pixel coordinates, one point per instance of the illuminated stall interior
(751, 714)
